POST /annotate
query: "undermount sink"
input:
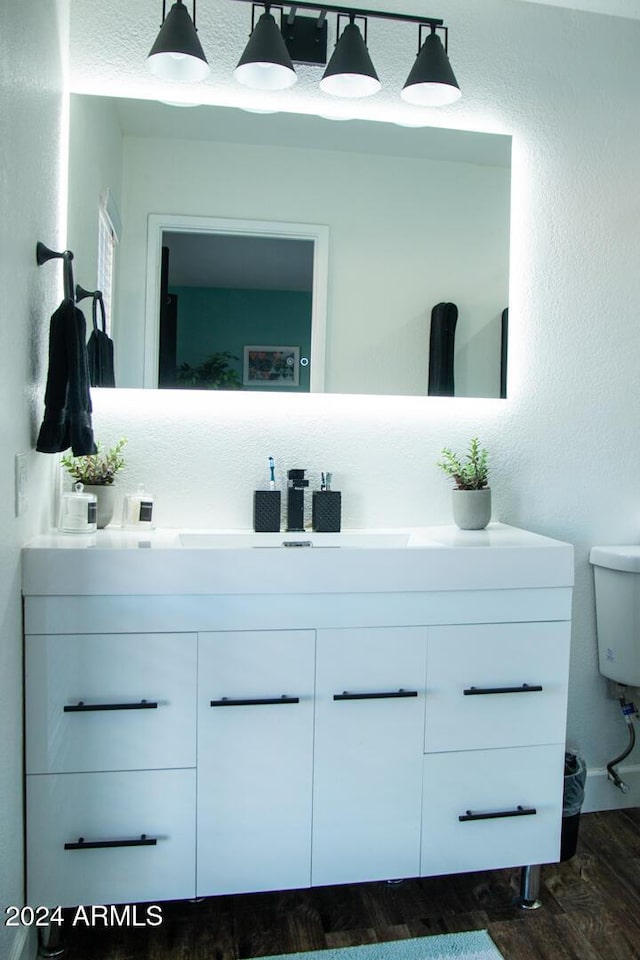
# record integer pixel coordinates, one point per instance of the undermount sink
(246, 539)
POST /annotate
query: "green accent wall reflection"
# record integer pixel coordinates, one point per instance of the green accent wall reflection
(213, 320)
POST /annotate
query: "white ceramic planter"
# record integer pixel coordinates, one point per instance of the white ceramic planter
(472, 508)
(106, 499)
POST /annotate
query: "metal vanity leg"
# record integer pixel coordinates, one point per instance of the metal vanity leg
(530, 887)
(50, 941)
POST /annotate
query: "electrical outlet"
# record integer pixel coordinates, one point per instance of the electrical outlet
(21, 479)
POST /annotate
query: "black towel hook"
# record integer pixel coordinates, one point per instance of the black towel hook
(81, 293)
(44, 253)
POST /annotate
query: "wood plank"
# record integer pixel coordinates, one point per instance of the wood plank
(351, 938)
(548, 937)
(611, 834)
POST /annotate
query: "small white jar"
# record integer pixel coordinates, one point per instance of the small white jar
(137, 510)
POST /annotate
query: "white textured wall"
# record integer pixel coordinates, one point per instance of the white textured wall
(618, 8)
(564, 447)
(30, 170)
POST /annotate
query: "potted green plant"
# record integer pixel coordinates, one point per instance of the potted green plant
(97, 473)
(471, 496)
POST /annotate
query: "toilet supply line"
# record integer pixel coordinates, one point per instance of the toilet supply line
(630, 714)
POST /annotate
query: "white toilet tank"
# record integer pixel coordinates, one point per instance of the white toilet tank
(617, 582)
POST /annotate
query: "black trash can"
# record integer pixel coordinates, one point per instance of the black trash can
(575, 775)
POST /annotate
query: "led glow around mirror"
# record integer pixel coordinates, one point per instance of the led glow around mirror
(415, 217)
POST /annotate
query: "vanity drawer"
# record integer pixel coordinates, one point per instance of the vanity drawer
(510, 801)
(112, 811)
(110, 702)
(496, 685)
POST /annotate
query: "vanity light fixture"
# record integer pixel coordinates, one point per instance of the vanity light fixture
(350, 72)
(177, 53)
(432, 82)
(265, 63)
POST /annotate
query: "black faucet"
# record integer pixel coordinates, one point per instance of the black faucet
(295, 500)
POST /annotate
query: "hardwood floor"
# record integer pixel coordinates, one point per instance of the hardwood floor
(591, 912)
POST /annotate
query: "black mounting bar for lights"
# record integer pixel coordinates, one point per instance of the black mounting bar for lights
(324, 8)
(306, 37)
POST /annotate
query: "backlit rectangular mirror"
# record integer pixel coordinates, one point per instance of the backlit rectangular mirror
(390, 222)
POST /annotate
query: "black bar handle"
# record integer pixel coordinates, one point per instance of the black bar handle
(251, 701)
(481, 691)
(382, 695)
(82, 707)
(82, 844)
(498, 814)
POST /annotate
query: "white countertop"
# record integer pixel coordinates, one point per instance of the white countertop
(155, 562)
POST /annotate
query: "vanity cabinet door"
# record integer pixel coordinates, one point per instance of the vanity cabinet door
(137, 830)
(496, 685)
(487, 809)
(110, 702)
(368, 754)
(255, 756)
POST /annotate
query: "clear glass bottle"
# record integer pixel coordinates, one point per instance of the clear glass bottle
(78, 511)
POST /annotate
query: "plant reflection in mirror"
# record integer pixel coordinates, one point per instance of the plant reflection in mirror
(214, 373)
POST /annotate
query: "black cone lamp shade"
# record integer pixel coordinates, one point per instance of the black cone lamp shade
(177, 53)
(431, 82)
(350, 72)
(265, 63)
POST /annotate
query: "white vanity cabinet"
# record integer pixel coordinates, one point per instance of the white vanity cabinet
(203, 722)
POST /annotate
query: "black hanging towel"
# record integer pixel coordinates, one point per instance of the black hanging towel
(444, 318)
(100, 349)
(67, 416)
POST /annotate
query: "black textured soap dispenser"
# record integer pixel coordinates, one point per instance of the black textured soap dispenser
(326, 509)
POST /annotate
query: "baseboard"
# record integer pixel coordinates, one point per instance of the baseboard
(25, 944)
(601, 794)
